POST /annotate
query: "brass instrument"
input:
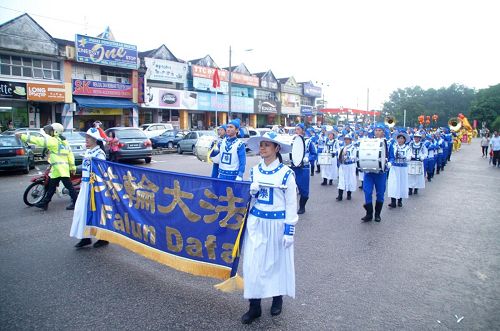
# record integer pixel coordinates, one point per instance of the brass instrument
(455, 124)
(390, 121)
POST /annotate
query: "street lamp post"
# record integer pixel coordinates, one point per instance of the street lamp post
(229, 86)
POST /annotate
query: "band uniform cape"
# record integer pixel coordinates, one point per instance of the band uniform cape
(330, 171)
(268, 267)
(347, 169)
(80, 213)
(397, 184)
(419, 154)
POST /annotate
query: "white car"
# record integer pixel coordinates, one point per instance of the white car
(155, 129)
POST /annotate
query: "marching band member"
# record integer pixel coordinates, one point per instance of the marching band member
(302, 172)
(399, 155)
(321, 144)
(377, 179)
(330, 171)
(94, 144)
(418, 154)
(347, 169)
(430, 161)
(221, 134)
(362, 135)
(268, 256)
(440, 152)
(232, 153)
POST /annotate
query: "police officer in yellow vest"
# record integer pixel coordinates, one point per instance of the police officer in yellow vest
(61, 159)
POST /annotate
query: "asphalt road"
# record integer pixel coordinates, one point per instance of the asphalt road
(425, 266)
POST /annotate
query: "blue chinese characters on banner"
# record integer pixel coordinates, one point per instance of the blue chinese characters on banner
(188, 222)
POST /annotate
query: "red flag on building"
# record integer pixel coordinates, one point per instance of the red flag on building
(216, 79)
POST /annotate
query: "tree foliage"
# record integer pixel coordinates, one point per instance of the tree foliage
(444, 102)
(486, 105)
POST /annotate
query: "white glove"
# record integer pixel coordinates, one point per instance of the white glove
(239, 179)
(389, 165)
(305, 159)
(287, 241)
(254, 188)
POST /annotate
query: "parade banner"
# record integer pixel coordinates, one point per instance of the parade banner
(190, 223)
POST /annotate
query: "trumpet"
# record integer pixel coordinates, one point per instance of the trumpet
(390, 121)
(455, 124)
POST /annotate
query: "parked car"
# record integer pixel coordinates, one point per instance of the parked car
(135, 144)
(15, 155)
(76, 140)
(261, 131)
(155, 129)
(187, 144)
(38, 151)
(167, 139)
(245, 133)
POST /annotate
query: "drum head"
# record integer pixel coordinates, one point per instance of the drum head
(298, 151)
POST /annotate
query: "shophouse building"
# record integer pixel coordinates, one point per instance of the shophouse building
(290, 93)
(267, 104)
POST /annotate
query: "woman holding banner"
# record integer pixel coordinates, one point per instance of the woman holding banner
(268, 260)
(94, 144)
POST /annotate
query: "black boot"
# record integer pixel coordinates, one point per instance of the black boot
(312, 171)
(318, 170)
(83, 242)
(253, 312)
(378, 209)
(276, 306)
(302, 205)
(42, 205)
(339, 198)
(393, 203)
(100, 243)
(71, 206)
(331, 182)
(348, 195)
(369, 212)
(429, 178)
(361, 186)
(400, 202)
(416, 191)
(410, 191)
(324, 181)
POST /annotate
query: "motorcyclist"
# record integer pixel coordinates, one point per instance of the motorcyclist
(61, 159)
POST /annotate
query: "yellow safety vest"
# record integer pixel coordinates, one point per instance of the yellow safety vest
(61, 157)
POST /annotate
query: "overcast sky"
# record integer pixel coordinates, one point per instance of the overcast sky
(348, 45)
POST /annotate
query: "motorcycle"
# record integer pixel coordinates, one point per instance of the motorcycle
(37, 190)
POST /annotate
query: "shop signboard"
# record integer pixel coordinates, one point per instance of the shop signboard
(101, 89)
(311, 91)
(236, 78)
(269, 83)
(105, 52)
(207, 101)
(205, 84)
(155, 97)
(306, 110)
(266, 107)
(46, 92)
(12, 90)
(99, 111)
(165, 71)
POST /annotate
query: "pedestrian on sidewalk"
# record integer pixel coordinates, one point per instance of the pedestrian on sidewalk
(495, 147)
(485, 143)
(268, 256)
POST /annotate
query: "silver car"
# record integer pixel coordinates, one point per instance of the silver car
(38, 151)
(188, 143)
(76, 140)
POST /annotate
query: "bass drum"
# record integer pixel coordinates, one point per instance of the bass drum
(203, 147)
(298, 151)
(371, 155)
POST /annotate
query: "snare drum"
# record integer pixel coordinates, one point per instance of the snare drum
(298, 151)
(415, 168)
(371, 155)
(203, 147)
(325, 159)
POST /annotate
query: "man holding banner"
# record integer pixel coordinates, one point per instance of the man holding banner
(268, 264)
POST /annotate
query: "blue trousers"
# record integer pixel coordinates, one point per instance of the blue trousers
(302, 177)
(215, 170)
(379, 180)
(431, 166)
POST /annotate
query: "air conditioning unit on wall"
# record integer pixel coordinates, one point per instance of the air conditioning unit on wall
(70, 52)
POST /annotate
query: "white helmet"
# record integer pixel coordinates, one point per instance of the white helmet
(58, 128)
(94, 133)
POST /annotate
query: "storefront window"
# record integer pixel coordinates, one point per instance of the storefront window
(17, 115)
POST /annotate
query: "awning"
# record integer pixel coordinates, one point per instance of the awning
(90, 102)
